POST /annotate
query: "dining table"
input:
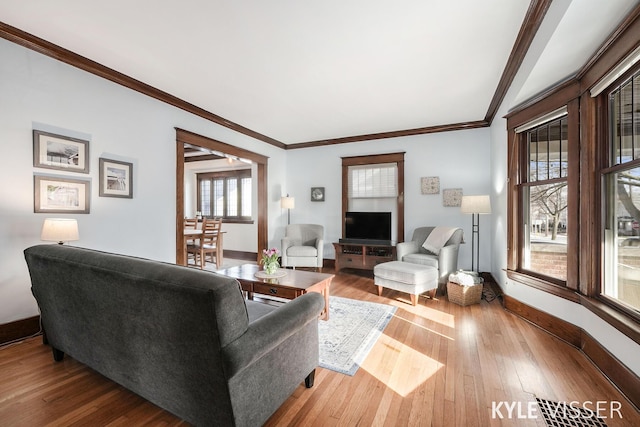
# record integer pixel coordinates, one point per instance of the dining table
(196, 234)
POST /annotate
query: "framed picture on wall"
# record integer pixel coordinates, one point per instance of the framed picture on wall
(317, 194)
(60, 152)
(53, 194)
(116, 179)
(452, 197)
(430, 185)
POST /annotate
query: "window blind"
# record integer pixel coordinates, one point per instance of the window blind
(562, 111)
(372, 181)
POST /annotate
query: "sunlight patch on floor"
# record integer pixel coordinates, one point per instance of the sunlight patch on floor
(398, 366)
(431, 331)
(424, 310)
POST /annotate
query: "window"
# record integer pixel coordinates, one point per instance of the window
(621, 196)
(596, 175)
(375, 183)
(225, 195)
(543, 192)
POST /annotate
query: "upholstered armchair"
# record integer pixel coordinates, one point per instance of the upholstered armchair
(446, 260)
(302, 246)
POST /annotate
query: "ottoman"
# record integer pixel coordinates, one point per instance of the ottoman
(413, 279)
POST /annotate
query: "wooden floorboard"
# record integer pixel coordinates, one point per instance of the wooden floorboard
(437, 364)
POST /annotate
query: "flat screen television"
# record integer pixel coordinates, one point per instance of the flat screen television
(367, 227)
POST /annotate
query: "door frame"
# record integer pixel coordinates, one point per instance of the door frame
(186, 137)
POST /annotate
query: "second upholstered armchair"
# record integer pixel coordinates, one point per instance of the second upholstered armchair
(302, 246)
(445, 259)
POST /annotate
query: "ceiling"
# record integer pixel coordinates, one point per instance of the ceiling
(292, 72)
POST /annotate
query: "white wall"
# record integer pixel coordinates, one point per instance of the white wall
(461, 159)
(38, 91)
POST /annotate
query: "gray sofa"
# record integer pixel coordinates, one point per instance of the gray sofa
(446, 261)
(182, 338)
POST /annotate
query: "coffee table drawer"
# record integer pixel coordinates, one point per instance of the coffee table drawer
(276, 291)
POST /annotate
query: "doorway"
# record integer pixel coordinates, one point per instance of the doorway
(185, 137)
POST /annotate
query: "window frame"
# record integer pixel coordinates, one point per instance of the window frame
(517, 125)
(236, 174)
(605, 167)
(581, 95)
(398, 159)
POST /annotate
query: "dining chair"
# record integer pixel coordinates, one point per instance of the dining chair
(208, 242)
(190, 223)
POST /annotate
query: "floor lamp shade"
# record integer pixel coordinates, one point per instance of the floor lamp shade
(288, 203)
(475, 205)
(59, 230)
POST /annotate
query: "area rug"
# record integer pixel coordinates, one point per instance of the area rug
(350, 333)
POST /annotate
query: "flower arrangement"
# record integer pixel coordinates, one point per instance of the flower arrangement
(270, 260)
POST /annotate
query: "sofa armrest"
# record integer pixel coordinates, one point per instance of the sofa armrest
(320, 249)
(267, 332)
(447, 261)
(406, 248)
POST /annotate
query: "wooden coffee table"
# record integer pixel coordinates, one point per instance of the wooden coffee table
(293, 284)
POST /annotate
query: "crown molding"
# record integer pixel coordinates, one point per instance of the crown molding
(530, 25)
(392, 134)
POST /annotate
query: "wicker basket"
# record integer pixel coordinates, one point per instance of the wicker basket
(464, 295)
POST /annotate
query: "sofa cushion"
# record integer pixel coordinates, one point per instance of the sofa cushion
(256, 310)
(302, 251)
(422, 259)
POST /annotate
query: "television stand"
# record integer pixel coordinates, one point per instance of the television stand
(362, 256)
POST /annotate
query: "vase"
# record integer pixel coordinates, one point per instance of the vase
(271, 267)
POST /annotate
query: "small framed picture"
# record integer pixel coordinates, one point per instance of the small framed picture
(451, 197)
(116, 179)
(59, 152)
(60, 195)
(317, 194)
(430, 185)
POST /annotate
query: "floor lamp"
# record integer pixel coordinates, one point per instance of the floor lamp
(475, 205)
(288, 203)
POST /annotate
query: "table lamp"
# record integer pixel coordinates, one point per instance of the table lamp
(59, 230)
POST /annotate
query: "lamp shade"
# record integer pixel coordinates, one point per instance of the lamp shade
(476, 204)
(59, 230)
(287, 202)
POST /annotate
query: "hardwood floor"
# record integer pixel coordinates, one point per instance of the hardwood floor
(436, 364)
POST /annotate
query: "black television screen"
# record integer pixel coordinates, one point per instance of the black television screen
(368, 226)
